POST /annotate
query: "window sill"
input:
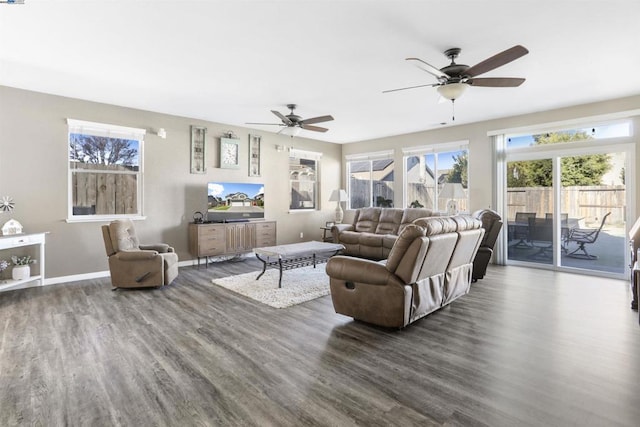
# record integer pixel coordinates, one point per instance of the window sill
(104, 218)
(296, 211)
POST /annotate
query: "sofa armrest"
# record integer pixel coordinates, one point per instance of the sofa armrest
(336, 229)
(359, 270)
(159, 247)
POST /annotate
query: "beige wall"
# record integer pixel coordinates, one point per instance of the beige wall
(33, 171)
(481, 163)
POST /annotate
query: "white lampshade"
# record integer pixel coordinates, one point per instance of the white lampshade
(338, 196)
(452, 91)
(452, 191)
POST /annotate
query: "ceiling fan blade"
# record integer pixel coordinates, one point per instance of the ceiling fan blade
(266, 124)
(313, 128)
(410, 87)
(319, 119)
(428, 68)
(496, 82)
(497, 60)
(282, 117)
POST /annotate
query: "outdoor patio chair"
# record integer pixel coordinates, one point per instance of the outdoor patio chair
(541, 237)
(584, 236)
(564, 233)
(563, 216)
(520, 230)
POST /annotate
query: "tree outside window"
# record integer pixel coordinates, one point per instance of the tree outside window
(576, 170)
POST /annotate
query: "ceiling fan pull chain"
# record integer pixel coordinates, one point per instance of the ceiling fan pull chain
(453, 110)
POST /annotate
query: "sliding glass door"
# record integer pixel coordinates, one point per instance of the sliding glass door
(566, 204)
(593, 213)
(530, 207)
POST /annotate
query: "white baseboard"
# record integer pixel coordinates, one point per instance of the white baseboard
(75, 278)
(100, 274)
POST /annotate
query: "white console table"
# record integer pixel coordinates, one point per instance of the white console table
(37, 270)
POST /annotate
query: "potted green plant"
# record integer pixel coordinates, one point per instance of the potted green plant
(21, 269)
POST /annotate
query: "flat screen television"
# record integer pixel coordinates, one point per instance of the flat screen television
(234, 201)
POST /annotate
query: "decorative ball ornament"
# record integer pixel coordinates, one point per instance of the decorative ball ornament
(7, 204)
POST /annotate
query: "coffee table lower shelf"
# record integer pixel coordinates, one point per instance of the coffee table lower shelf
(295, 255)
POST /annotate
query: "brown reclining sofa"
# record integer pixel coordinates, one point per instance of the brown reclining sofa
(374, 230)
(429, 265)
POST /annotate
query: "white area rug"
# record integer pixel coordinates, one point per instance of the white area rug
(298, 285)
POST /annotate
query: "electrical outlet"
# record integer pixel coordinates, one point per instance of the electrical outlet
(301, 235)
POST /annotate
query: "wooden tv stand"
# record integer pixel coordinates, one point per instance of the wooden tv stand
(230, 238)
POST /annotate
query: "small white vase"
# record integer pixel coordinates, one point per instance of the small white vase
(21, 272)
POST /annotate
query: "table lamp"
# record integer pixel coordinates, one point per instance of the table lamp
(338, 196)
(452, 191)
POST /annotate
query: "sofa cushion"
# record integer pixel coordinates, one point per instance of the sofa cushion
(404, 240)
(466, 222)
(389, 221)
(411, 214)
(371, 252)
(370, 239)
(367, 220)
(350, 237)
(388, 240)
(123, 235)
(437, 225)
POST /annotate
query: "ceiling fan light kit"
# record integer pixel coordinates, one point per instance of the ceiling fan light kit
(452, 91)
(454, 79)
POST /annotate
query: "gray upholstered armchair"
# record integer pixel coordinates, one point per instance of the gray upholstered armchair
(133, 265)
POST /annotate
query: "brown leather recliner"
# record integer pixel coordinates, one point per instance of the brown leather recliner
(429, 266)
(133, 265)
(492, 224)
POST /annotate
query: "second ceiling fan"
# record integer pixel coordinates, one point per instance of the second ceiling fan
(454, 79)
(293, 123)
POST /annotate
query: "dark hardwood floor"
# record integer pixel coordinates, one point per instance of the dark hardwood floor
(525, 347)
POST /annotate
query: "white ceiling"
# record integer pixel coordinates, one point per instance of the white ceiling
(233, 61)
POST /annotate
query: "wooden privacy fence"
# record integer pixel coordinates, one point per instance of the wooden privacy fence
(361, 194)
(588, 202)
(104, 193)
(425, 195)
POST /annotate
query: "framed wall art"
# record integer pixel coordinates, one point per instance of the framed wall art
(198, 149)
(229, 153)
(254, 155)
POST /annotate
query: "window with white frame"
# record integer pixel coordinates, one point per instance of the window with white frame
(436, 176)
(371, 177)
(569, 134)
(303, 179)
(105, 171)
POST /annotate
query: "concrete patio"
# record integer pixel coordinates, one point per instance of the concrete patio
(610, 249)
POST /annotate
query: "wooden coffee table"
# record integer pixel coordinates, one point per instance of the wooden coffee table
(294, 255)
